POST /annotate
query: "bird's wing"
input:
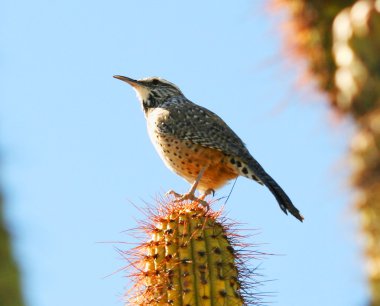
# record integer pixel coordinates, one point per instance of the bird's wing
(189, 121)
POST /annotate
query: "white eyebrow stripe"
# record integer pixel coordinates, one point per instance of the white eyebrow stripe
(161, 80)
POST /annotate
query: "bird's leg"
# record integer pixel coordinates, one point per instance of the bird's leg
(196, 182)
(190, 195)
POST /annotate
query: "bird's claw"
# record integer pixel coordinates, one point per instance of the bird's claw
(208, 191)
(172, 192)
(190, 196)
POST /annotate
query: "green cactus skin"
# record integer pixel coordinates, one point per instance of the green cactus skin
(189, 260)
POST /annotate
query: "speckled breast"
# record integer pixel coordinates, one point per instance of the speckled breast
(187, 159)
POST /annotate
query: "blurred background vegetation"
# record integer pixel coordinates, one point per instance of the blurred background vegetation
(340, 41)
(10, 292)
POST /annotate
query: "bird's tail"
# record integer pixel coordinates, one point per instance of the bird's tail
(282, 198)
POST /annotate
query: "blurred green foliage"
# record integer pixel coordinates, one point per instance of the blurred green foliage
(10, 291)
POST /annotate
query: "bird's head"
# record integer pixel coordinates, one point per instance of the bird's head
(153, 91)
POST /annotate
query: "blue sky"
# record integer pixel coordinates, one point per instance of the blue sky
(75, 150)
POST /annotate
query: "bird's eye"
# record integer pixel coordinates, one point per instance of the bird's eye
(155, 82)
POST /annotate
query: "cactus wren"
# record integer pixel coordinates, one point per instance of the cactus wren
(197, 144)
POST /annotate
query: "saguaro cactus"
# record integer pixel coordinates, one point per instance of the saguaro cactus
(190, 258)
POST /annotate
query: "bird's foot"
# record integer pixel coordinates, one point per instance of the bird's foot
(173, 193)
(206, 193)
(191, 196)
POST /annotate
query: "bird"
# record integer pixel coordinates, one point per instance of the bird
(197, 144)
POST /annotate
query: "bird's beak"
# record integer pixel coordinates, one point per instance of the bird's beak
(132, 82)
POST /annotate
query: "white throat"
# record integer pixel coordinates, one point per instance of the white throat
(142, 93)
